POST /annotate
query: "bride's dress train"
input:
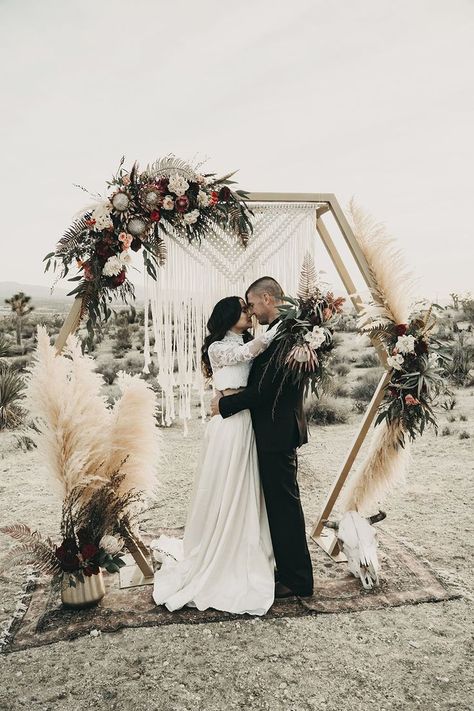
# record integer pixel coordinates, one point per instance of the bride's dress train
(225, 559)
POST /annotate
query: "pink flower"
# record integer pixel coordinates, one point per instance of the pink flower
(126, 180)
(410, 400)
(126, 239)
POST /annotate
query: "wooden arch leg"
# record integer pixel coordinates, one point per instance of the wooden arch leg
(326, 537)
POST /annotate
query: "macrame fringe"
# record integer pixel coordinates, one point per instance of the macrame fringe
(196, 276)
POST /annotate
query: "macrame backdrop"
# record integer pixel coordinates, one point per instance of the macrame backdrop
(195, 277)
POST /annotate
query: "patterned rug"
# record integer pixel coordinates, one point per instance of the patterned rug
(405, 579)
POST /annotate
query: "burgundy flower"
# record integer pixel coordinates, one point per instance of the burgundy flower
(393, 392)
(88, 551)
(401, 329)
(182, 203)
(163, 185)
(70, 562)
(118, 278)
(224, 193)
(104, 249)
(421, 346)
(136, 244)
(91, 570)
(155, 216)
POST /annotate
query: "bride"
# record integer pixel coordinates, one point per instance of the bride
(225, 559)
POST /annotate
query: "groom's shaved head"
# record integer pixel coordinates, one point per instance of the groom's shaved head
(265, 285)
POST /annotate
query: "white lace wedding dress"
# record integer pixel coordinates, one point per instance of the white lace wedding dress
(225, 559)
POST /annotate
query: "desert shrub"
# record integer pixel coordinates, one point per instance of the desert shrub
(342, 369)
(4, 345)
(108, 372)
(16, 350)
(463, 418)
(24, 442)
(326, 410)
(366, 387)
(462, 355)
(452, 418)
(133, 365)
(368, 360)
(20, 363)
(123, 341)
(359, 407)
(464, 435)
(445, 431)
(338, 388)
(449, 403)
(348, 323)
(11, 394)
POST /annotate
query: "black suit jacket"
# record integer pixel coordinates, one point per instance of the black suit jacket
(286, 427)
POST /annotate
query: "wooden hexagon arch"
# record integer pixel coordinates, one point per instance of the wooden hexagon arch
(326, 203)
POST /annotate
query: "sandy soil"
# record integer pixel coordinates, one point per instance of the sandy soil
(413, 657)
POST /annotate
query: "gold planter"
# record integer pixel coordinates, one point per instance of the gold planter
(84, 594)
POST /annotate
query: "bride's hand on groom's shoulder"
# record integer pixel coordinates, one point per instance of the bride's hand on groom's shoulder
(215, 403)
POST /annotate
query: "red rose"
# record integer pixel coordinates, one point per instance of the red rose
(155, 216)
(118, 278)
(91, 570)
(214, 198)
(163, 185)
(182, 204)
(90, 223)
(224, 193)
(88, 551)
(401, 329)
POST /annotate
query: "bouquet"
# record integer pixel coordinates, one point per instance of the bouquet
(90, 535)
(305, 336)
(418, 361)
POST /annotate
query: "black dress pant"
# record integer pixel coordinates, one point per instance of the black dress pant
(278, 472)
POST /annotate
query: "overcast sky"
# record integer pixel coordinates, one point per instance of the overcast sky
(365, 98)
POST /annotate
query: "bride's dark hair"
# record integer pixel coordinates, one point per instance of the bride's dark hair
(225, 314)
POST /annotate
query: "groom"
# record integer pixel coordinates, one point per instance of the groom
(277, 436)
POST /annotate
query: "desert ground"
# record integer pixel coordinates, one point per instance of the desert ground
(408, 657)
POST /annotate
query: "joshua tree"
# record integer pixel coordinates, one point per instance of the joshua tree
(21, 308)
(455, 299)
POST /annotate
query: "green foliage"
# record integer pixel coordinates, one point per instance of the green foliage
(326, 410)
(459, 367)
(368, 360)
(11, 395)
(364, 390)
(342, 369)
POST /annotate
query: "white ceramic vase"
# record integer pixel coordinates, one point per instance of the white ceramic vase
(84, 594)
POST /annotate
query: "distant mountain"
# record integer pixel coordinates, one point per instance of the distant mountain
(36, 291)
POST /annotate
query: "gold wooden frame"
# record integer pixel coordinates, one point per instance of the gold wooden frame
(326, 202)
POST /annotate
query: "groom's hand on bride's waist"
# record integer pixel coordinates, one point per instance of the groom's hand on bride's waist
(215, 404)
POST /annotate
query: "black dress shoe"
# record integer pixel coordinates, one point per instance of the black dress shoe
(282, 591)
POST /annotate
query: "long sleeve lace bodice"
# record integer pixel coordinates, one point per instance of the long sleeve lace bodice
(231, 358)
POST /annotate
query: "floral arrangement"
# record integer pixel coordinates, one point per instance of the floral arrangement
(142, 209)
(418, 364)
(305, 336)
(88, 534)
(415, 358)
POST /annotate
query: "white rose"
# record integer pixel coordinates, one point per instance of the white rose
(316, 337)
(113, 266)
(405, 344)
(201, 179)
(395, 361)
(433, 359)
(125, 257)
(101, 215)
(203, 198)
(178, 185)
(168, 203)
(191, 217)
